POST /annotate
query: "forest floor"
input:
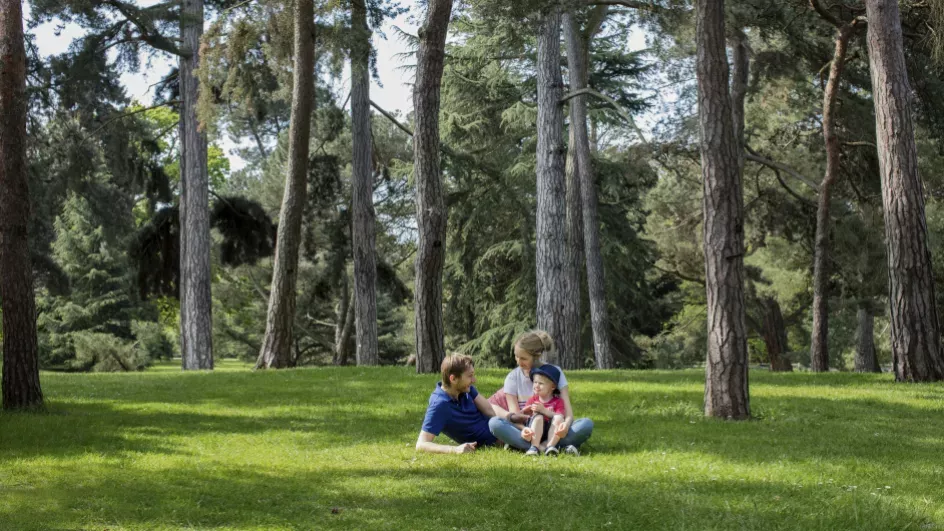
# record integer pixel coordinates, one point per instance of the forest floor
(325, 448)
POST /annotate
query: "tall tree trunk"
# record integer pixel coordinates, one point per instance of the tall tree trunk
(430, 205)
(915, 337)
(775, 336)
(365, 261)
(819, 349)
(726, 379)
(196, 338)
(865, 358)
(345, 324)
(21, 389)
(551, 234)
(571, 342)
(740, 75)
(276, 350)
(578, 65)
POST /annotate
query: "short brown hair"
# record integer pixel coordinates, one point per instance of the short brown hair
(455, 365)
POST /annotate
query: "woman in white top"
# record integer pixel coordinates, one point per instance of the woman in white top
(508, 401)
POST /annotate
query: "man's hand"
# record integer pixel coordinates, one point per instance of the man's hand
(527, 434)
(466, 448)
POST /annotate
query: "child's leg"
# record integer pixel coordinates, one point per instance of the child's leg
(537, 425)
(552, 437)
(527, 433)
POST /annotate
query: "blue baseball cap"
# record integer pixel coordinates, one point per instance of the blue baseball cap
(550, 372)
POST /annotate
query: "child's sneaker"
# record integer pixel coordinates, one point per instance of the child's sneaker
(533, 451)
(552, 451)
(572, 450)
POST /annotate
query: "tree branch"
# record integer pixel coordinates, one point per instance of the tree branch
(594, 23)
(392, 118)
(494, 173)
(132, 13)
(860, 143)
(132, 113)
(818, 6)
(616, 106)
(680, 275)
(753, 156)
(632, 4)
(789, 190)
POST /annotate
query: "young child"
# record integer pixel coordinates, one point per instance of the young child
(546, 409)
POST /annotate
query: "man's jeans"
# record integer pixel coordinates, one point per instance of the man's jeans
(507, 432)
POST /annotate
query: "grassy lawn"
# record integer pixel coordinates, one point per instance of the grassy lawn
(333, 448)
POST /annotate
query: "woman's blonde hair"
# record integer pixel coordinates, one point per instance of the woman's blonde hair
(535, 342)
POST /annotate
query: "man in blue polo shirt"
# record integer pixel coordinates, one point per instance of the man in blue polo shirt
(457, 410)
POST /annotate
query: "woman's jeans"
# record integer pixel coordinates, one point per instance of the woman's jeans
(507, 432)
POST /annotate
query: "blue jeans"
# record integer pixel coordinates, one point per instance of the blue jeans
(507, 432)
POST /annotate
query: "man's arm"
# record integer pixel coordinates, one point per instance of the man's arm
(424, 443)
(484, 406)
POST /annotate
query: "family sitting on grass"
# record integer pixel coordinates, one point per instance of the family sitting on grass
(532, 412)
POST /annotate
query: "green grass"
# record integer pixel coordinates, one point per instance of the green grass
(333, 448)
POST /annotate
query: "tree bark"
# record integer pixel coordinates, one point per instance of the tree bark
(276, 349)
(726, 378)
(551, 234)
(775, 336)
(345, 324)
(196, 340)
(865, 358)
(365, 261)
(578, 64)
(915, 336)
(571, 342)
(740, 75)
(819, 348)
(430, 206)
(21, 389)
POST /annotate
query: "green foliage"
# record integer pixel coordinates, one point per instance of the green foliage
(100, 352)
(488, 121)
(88, 143)
(100, 304)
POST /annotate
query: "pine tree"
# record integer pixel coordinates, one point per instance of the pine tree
(100, 300)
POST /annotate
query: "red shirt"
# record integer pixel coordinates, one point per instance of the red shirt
(555, 404)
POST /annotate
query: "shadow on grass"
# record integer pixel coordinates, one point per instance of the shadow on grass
(430, 493)
(107, 430)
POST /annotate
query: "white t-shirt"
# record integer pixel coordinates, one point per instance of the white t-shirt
(520, 385)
